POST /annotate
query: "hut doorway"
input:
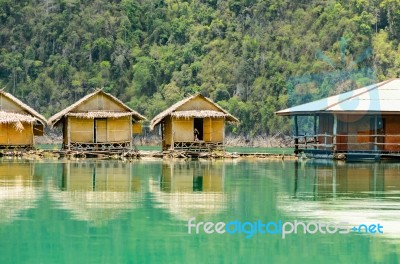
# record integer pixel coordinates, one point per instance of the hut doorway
(198, 129)
(100, 130)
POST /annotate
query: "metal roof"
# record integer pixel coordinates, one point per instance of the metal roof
(376, 98)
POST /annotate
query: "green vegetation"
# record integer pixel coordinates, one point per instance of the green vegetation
(253, 57)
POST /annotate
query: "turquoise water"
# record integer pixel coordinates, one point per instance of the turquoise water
(114, 212)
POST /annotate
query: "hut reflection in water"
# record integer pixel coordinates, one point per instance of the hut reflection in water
(18, 189)
(98, 191)
(191, 189)
(352, 193)
(331, 179)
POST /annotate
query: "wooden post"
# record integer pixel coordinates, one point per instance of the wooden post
(162, 128)
(68, 132)
(375, 133)
(296, 139)
(334, 180)
(172, 133)
(94, 179)
(296, 177)
(223, 136)
(315, 131)
(334, 132)
(33, 135)
(210, 131)
(131, 132)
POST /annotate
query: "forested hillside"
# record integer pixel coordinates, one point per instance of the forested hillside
(253, 57)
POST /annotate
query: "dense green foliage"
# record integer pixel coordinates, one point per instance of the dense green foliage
(253, 57)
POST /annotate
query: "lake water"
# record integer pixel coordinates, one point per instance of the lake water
(114, 212)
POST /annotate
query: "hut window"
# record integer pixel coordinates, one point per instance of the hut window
(38, 129)
(198, 129)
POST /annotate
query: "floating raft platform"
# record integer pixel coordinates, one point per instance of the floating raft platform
(136, 154)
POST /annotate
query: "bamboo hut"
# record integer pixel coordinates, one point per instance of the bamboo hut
(193, 124)
(98, 122)
(19, 123)
(360, 124)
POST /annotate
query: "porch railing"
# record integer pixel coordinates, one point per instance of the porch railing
(343, 142)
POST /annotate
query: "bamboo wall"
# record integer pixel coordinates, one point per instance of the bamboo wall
(11, 136)
(183, 130)
(208, 129)
(99, 102)
(137, 128)
(81, 129)
(119, 129)
(107, 130)
(198, 103)
(218, 130)
(167, 131)
(213, 129)
(8, 105)
(66, 135)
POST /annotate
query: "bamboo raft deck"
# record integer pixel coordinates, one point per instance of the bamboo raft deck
(136, 154)
(198, 146)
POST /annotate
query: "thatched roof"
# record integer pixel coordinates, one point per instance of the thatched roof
(198, 113)
(193, 113)
(95, 113)
(16, 119)
(11, 117)
(99, 114)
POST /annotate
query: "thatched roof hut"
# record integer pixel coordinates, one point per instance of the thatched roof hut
(98, 110)
(18, 122)
(191, 122)
(197, 112)
(98, 120)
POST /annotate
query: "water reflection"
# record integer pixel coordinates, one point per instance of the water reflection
(98, 191)
(356, 193)
(190, 189)
(331, 179)
(18, 189)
